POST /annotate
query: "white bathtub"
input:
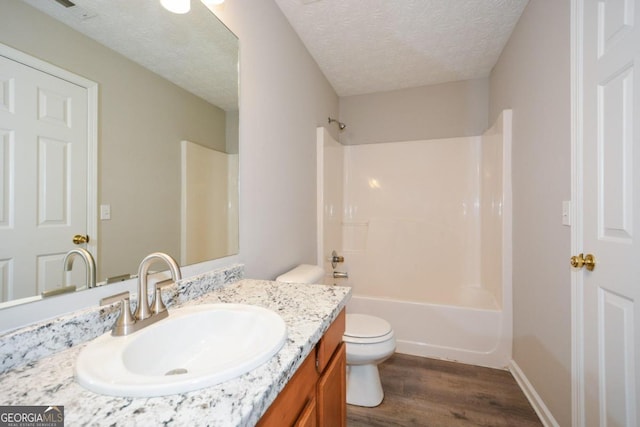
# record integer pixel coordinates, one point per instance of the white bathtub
(433, 260)
(468, 335)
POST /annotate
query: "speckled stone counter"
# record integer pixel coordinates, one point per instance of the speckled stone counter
(42, 339)
(308, 311)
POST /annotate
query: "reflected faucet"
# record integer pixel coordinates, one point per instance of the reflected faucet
(89, 262)
(144, 309)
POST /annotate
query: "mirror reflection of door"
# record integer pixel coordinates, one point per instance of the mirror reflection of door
(43, 168)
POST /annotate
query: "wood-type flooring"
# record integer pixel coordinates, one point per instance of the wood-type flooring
(435, 393)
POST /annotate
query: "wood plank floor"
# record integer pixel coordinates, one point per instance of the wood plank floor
(435, 393)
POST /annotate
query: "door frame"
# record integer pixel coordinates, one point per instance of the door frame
(577, 220)
(92, 132)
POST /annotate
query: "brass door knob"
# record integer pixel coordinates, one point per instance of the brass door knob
(80, 239)
(588, 261)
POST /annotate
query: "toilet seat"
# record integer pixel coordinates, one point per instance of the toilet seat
(365, 329)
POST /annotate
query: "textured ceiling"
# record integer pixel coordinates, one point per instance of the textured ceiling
(380, 45)
(195, 51)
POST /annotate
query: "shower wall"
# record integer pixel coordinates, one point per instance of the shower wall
(330, 192)
(412, 225)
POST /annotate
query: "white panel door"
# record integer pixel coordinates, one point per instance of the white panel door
(43, 167)
(330, 185)
(609, 296)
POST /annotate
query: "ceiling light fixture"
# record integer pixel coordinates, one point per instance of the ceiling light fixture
(176, 6)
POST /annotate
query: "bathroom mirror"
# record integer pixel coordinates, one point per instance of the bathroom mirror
(167, 118)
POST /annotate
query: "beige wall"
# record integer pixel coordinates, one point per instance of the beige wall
(142, 119)
(447, 110)
(532, 76)
(283, 98)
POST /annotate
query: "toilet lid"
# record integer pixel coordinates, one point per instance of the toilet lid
(365, 326)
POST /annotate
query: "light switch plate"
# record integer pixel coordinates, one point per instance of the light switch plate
(105, 212)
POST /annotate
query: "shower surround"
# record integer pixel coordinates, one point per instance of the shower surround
(426, 235)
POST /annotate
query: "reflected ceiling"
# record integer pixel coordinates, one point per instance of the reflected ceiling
(162, 48)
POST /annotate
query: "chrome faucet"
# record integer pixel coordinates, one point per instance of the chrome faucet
(89, 263)
(146, 313)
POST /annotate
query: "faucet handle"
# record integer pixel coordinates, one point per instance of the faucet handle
(124, 323)
(157, 305)
(114, 298)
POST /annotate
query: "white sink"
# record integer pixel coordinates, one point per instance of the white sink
(195, 347)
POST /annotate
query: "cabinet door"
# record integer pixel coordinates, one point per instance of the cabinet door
(294, 399)
(309, 415)
(332, 391)
(329, 343)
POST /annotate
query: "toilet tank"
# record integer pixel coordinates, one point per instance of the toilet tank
(303, 273)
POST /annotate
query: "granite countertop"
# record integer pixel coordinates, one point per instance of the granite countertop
(308, 310)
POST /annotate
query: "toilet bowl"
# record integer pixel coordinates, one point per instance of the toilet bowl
(369, 341)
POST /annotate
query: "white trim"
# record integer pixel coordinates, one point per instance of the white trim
(46, 67)
(507, 233)
(92, 132)
(534, 398)
(577, 332)
(92, 169)
(320, 196)
(183, 202)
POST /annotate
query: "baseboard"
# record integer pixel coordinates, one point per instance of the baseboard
(534, 398)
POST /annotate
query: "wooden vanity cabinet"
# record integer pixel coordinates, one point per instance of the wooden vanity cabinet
(332, 391)
(309, 415)
(316, 396)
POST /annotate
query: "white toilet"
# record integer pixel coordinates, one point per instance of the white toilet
(369, 341)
